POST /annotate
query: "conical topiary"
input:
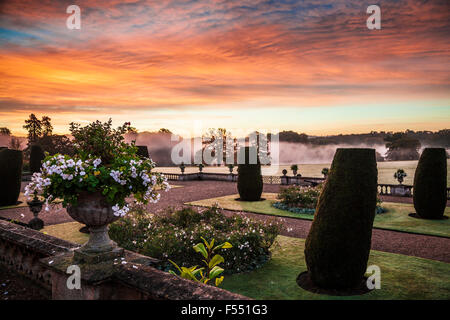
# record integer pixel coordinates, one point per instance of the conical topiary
(430, 184)
(142, 152)
(10, 176)
(250, 183)
(36, 157)
(338, 244)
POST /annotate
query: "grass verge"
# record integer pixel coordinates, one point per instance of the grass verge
(402, 277)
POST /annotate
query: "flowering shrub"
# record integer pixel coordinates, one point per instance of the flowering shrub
(173, 235)
(117, 177)
(300, 197)
(303, 200)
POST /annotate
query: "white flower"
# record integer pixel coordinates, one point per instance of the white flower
(97, 162)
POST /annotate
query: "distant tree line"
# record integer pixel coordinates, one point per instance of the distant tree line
(400, 145)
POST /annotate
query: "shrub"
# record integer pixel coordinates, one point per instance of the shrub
(294, 169)
(173, 235)
(142, 152)
(250, 183)
(430, 184)
(400, 174)
(10, 176)
(36, 157)
(338, 244)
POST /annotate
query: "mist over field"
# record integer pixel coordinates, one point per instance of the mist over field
(298, 153)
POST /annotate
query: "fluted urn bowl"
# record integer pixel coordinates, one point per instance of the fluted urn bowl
(96, 213)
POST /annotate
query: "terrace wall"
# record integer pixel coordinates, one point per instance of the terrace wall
(41, 258)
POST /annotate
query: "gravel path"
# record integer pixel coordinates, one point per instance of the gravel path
(430, 247)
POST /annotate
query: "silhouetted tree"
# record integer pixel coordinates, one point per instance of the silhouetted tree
(47, 128)
(34, 128)
(402, 147)
(5, 131)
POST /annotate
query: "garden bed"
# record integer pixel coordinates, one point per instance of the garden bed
(173, 235)
(402, 277)
(396, 218)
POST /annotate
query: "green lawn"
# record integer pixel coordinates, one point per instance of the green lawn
(402, 277)
(395, 219)
(68, 231)
(22, 202)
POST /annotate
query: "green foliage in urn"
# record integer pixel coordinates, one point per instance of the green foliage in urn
(10, 176)
(250, 183)
(338, 244)
(101, 140)
(430, 184)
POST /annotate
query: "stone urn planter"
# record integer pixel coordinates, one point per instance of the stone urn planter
(96, 213)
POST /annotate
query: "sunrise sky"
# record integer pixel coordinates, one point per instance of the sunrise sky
(308, 66)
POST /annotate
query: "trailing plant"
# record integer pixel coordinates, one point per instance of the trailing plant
(211, 270)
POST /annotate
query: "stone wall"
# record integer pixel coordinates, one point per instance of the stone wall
(44, 259)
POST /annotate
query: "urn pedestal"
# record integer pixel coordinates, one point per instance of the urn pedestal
(96, 213)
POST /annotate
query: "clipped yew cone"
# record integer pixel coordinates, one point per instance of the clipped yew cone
(338, 244)
(430, 184)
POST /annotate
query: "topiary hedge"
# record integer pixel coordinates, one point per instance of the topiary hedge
(250, 183)
(10, 176)
(338, 244)
(142, 152)
(430, 184)
(36, 157)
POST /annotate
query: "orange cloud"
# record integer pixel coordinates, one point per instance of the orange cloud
(138, 56)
